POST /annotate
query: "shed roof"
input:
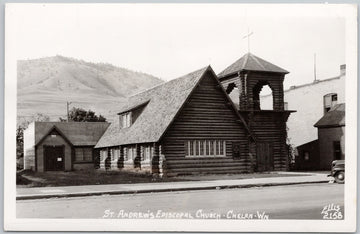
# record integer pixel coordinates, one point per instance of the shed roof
(250, 62)
(162, 102)
(78, 133)
(335, 117)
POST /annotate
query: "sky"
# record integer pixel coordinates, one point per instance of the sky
(170, 40)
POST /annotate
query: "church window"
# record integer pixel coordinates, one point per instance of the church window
(125, 120)
(148, 153)
(202, 148)
(115, 154)
(129, 153)
(83, 155)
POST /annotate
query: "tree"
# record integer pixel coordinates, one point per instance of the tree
(81, 115)
(22, 125)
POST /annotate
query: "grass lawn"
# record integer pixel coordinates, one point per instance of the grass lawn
(91, 177)
(27, 179)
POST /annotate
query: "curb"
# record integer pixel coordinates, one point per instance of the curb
(117, 192)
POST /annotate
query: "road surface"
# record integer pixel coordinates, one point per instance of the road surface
(275, 202)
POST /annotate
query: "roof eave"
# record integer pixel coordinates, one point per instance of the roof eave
(329, 125)
(133, 108)
(242, 70)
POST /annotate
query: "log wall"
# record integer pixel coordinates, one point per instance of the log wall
(206, 116)
(268, 127)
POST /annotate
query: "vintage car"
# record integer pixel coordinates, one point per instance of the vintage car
(338, 171)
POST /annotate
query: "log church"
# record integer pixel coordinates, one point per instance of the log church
(190, 125)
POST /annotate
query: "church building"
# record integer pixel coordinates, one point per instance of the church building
(189, 125)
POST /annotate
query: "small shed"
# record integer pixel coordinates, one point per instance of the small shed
(308, 156)
(61, 146)
(331, 136)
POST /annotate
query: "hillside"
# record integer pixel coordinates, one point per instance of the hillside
(46, 84)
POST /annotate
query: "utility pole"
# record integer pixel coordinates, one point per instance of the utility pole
(67, 109)
(314, 67)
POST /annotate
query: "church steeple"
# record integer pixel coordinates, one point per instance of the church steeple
(249, 74)
(250, 62)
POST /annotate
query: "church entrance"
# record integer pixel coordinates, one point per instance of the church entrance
(54, 158)
(264, 155)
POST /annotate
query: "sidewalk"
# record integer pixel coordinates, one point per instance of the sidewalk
(111, 189)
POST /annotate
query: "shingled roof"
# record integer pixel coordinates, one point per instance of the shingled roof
(250, 62)
(78, 133)
(335, 117)
(162, 103)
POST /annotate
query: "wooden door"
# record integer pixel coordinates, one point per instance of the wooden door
(54, 158)
(264, 154)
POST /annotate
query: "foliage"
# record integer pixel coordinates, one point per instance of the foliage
(291, 150)
(81, 115)
(22, 125)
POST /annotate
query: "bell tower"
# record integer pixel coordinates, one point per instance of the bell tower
(250, 74)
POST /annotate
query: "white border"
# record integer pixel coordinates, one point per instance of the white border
(348, 225)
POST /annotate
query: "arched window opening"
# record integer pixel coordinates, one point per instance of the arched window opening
(263, 93)
(234, 94)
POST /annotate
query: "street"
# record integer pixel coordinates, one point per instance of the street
(273, 202)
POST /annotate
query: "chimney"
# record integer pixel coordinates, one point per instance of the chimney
(343, 70)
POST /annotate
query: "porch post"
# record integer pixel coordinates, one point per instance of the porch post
(162, 163)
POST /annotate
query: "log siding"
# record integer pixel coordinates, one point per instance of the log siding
(206, 115)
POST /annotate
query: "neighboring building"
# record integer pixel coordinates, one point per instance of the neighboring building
(190, 125)
(311, 101)
(330, 145)
(331, 136)
(61, 146)
(308, 156)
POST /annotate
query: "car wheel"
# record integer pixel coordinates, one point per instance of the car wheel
(340, 177)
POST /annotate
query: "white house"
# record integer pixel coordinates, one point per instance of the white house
(311, 101)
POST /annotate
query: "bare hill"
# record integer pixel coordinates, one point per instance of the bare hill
(45, 84)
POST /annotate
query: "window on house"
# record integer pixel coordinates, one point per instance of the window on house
(115, 154)
(286, 106)
(129, 153)
(334, 97)
(330, 100)
(125, 120)
(205, 148)
(148, 153)
(83, 155)
(103, 154)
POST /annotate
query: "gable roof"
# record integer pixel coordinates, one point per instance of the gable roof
(77, 133)
(163, 102)
(250, 62)
(335, 117)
